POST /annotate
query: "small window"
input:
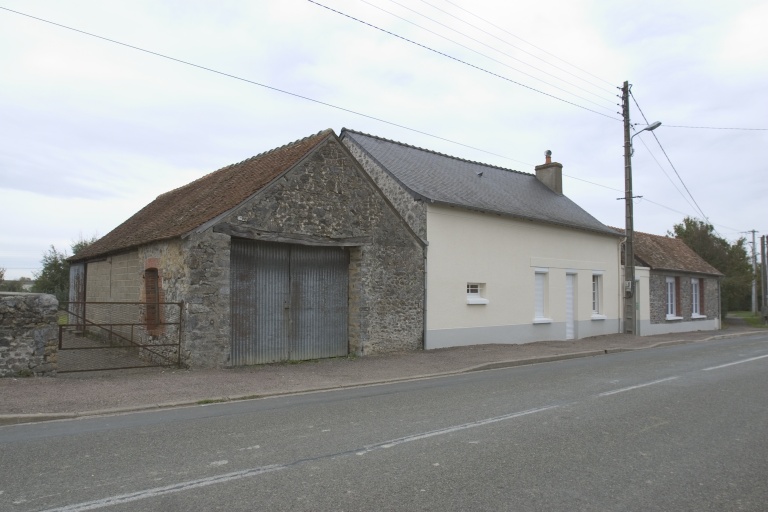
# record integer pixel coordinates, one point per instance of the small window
(597, 285)
(476, 293)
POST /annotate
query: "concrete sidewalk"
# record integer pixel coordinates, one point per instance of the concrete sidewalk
(93, 393)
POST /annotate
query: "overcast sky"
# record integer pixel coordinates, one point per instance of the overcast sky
(91, 131)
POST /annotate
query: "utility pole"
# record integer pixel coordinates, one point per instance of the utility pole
(629, 249)
(754, 275)
(764, 276)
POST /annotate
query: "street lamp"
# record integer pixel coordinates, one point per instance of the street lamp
(649, 128)
(630, 300)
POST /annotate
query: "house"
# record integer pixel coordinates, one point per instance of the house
(509, 258)
(677, 291)
(292, 254)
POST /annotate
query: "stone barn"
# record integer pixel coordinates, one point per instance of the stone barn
(292, 254)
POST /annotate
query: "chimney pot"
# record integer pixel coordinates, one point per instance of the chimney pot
(548, 155)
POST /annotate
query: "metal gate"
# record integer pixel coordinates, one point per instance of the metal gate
(97, 336)
(289, 302)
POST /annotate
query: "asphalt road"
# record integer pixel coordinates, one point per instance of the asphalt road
(677, 428)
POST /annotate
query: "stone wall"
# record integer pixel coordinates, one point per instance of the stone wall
(327, 200)
(658, 297)
(414, 212)
(28, 334)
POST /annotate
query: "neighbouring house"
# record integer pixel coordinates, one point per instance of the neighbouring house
(677, 291)
(510, 258)
(292, 254)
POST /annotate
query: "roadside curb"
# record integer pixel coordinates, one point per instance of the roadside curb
(16, 419)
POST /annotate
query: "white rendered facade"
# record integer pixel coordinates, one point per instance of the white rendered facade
(495, 279)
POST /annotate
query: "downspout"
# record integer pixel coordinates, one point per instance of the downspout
(424, 302)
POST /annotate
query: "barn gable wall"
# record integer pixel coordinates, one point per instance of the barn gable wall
(325, 200)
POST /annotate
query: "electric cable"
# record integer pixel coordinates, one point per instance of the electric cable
(253, 82)
(715, 128)
(526, 42)
(490, 47)
(276, 89)
(669, 160)
(462, 61)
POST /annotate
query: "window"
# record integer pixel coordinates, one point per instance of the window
(475, 293)
(540, 298)
(697, 298)
(152, 297)
(673, 298)
(596, 292)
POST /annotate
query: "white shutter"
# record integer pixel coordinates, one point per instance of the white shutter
(540, 283)
(569, 309)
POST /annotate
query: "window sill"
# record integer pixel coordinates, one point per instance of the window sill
(673, 317)
(542, 320)
(477, 300)
(698, 317)
(599, 317)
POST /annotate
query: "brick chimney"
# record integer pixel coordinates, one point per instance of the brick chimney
(551, 174)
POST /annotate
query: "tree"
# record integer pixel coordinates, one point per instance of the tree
(54, 278)
(2, 274)
(730, 259)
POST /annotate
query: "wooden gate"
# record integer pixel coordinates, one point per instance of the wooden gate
(289, 302)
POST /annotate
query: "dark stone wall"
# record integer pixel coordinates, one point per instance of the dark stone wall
(28, 334)
(658, 296)
(326, 200)
(414, 212)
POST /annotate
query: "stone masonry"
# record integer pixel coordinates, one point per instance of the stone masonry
(325, 200)
(658, 297)
(28, 334)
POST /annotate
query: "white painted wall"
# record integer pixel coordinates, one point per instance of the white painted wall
(503, 254)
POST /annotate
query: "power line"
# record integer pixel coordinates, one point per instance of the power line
(715, 128)
(526, 42)
(462, 61)
(252, 82)
(667, 174)
(488, 46)
(229, 75)
(669, 160)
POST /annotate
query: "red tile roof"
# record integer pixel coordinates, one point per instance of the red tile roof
(181, 210)
(668, 253)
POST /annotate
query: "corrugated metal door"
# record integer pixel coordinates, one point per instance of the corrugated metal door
(289, 302)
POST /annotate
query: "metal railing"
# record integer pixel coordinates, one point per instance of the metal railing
(119, 335)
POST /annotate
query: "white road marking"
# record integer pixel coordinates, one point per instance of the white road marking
(449, 430)
(250, 473)
(630, 388)
(735, 362)
(169, 489)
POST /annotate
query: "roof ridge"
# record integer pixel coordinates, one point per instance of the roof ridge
(623, 230)
(259, 155)
(434, 152)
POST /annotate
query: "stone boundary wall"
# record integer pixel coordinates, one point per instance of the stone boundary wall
(28, 334)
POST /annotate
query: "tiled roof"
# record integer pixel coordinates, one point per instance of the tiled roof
(453, 181)
(667, 253)
(181, 210)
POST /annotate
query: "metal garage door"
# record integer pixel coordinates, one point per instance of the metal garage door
(289, 302)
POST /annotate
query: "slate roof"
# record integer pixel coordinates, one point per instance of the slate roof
(179, 211)
(448, 180)
(668, 253)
